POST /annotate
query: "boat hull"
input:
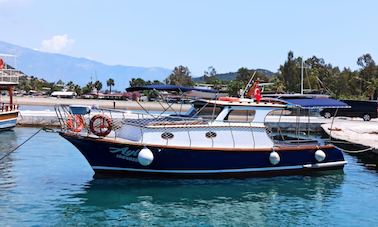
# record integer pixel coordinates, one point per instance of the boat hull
(108, 157)
(8, 120)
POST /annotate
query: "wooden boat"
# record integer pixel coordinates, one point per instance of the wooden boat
(216, 138)
(9, 77)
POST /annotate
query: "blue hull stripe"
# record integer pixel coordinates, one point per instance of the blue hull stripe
(320, 165)
(8, 123)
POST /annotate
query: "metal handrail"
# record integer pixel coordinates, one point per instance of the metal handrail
(144, 121)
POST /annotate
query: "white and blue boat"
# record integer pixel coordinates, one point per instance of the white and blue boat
(224, 137)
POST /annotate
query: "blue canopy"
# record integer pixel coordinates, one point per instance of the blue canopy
(315, 103)
(167, 87)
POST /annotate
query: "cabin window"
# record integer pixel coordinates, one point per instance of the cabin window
(208, 112)
(241, 115)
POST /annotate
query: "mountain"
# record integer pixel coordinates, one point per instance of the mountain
(53, 67)
(232, 75)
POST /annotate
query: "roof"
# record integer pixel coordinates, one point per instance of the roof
(304, 103)
(63, 93)
(167, 87)
(315, 103)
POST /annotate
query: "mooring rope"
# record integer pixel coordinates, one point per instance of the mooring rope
(355, 151)
(14, 149)
(348, 143)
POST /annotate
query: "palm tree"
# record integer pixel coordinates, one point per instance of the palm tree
(98, 85)
(110, 83)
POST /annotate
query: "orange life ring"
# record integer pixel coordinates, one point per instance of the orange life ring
(75, 123)
(100, 125)
(229, 99)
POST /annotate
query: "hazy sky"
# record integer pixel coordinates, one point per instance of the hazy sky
(196, 33)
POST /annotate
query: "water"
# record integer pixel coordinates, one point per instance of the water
(47, 182)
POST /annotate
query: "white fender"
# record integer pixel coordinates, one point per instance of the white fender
(274, 158)
(145, 156)
(320, 155)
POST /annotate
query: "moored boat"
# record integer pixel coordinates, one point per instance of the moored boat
(216, 138)
(9, 77)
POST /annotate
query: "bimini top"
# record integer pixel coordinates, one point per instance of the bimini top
(315, 103)
(167, 87)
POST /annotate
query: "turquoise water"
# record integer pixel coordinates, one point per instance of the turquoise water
(47, 182)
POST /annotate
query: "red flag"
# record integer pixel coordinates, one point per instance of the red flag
(257, 94)
(1, 63)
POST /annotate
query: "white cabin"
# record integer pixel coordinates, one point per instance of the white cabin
(210, 123)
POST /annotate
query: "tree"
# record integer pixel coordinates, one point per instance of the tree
(290, 73)
(87, 89)
(137, 82)
(368, 75)
(244, 75)
(77, 89)
(110, 83)
(209, 75)
(70, 85)
(98, 85)
(234, 87)
(180, 76)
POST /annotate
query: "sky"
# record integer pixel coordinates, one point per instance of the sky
(195, 33)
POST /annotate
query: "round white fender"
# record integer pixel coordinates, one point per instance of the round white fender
(320, 155)
(145, 156)
(274, 158)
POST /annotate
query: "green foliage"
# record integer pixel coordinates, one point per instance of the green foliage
(180, 76)
(87, 89)
(234, 87)
(324, 78)
(110, 83)
(137, 82)
(290, 73)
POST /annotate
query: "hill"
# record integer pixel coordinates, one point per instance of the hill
(232, 75)
(53, 67)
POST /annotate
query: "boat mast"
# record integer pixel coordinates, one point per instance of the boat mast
(302, 77)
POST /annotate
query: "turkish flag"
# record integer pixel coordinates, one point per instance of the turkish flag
(257, 94)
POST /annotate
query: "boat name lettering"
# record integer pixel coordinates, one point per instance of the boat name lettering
(125, 153)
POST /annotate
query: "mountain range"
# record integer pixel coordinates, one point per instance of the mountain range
(53, 67)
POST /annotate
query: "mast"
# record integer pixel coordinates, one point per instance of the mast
(302, 77)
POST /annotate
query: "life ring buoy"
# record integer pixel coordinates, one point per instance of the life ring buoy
(75, 123)
(229, 99)
(100, 125)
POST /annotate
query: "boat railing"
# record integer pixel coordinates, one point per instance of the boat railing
(143, 123)
(5, 107)
(9, 76)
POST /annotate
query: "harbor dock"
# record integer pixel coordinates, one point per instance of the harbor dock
(355, 131)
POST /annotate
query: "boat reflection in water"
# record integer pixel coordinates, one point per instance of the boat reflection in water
(258, 200)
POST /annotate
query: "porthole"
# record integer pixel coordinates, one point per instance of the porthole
(210, 135)
(167, 135)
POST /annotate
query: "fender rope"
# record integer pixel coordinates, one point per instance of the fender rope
(355, 151)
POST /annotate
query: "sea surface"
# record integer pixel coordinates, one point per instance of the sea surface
(46, 182)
